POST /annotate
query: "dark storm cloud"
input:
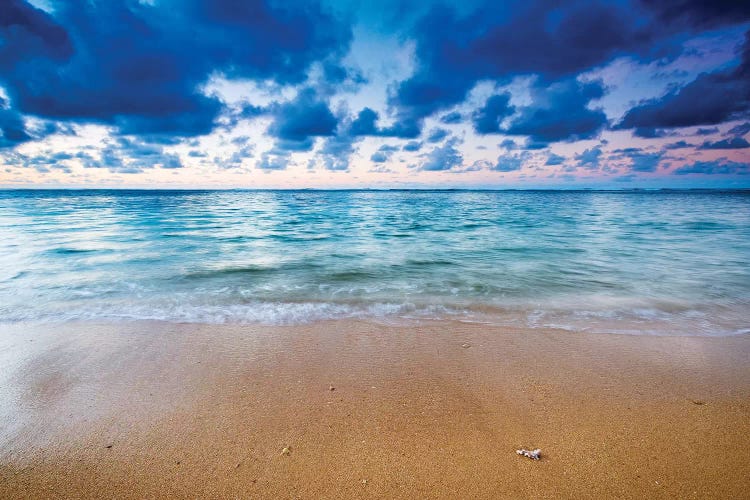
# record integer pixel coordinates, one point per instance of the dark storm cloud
(140, 66)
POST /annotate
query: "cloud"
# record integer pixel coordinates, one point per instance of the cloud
(336, 152)
(12, 128)
(561, 111)
(238, 157)
(589, 158)
(508, 144)
(509, 163)
(678, 145)
(554, 159)
(412, 146)
(707, 131)
(379, 157)
(644, 162)
(699, 13)
(42, 162)
(487, 118)
(437, 135)
(719, 167)
(497, 41)
(383, 154)
(649, 132)
(442, 158)
(451, 118)
(366, 124)
(297, 121)
(140, 65)
(269, 161)
(740, 129)
(132, 155)
(710, 99)
(733, 143)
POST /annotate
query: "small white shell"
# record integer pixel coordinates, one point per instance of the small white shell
(534, 454)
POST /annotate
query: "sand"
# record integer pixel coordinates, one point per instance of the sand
(365, 410)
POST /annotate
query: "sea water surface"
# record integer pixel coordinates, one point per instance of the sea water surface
(622, 262)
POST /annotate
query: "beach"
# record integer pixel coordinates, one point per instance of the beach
(367, 409)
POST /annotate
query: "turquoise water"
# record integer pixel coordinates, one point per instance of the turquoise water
(628, 262)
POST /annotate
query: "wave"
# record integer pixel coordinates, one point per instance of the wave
(667, 321)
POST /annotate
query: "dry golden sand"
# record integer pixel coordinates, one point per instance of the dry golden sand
(434, 410)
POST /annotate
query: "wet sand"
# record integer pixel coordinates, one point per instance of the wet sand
(434, 410)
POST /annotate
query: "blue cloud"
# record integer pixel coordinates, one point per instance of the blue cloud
(337, 151)
(649, 132)
(269, 161)
(12, 128)
(451, 118)
(678, 145)
(589, 158)
(412, 146)
(733, 143)
(366, 124)
(487, 118)
(554, 159)
(443, 158)
(720, 167)
(561, 111)
(383, 154)
(699, 13)
(297, 121)
(710, 99)
(508, 163)
(140, 65)
(707, 131)
(437, 135)
(499, 40)
(741, 129)
(645, 162)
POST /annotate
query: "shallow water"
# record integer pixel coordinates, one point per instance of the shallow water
(625, 262)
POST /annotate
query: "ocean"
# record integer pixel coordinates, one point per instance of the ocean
(635, 262)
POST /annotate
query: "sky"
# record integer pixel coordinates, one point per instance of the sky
(365, 94)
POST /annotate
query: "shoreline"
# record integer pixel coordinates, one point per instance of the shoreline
(368, 410)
